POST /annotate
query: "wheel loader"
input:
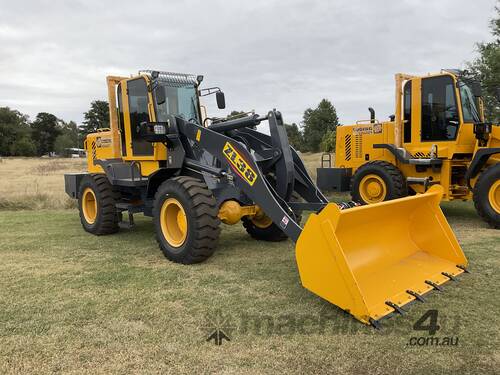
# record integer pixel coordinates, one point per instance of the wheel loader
(438, 136)
(164, 158)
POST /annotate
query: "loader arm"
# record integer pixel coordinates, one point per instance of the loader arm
(244, 173)
(303, 184)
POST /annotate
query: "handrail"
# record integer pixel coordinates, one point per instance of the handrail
(132, 170)
(328, 159)
(367, 122)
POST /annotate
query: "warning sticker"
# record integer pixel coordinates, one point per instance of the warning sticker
(284, 222)
(102, 142)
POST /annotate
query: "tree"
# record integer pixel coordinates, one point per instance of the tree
(237, 114)
(96, 117)
(317, 122)
(294, 136)
(45, 130)
(486, 68)
(62, 142)
(329, 141)
(72, 131)
(15, 132)
(23, 146)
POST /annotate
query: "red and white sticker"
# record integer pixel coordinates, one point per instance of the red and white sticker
(284, 222)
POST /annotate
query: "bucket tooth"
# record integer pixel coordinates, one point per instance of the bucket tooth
(434, 285)
(463, 268)
(396, 308)
(375, 323)
(449, 276)
(417, 296)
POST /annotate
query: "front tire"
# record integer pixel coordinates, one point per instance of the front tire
(97, 205)
(378, 181)
(185, 219)
(486, 195)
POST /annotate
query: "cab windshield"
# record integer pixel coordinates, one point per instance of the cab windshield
(469, 108)
(180, 101)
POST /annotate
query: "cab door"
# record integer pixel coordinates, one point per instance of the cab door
(439, 118)
(431, 115)
(136, 109)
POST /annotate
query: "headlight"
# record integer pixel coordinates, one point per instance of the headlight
(160, 129)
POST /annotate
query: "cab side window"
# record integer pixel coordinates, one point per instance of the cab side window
(121, 123)
(407, 112)
(439, 109)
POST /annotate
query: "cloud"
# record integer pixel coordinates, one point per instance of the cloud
(265, 54)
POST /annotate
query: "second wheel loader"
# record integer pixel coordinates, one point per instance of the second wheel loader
(162, 157)
(438, 136)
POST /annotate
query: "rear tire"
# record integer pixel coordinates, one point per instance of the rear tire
(185, 219)
(259, 231)
(378, 181)
(486, 195)
(97, 205)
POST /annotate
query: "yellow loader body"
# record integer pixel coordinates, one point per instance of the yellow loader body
(369, 258)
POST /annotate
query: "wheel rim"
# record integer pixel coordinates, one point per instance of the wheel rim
(372, 188)
(494, 196)
(173, 222)
(89, 205)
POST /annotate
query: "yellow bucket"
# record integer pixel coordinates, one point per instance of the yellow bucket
(372, 260)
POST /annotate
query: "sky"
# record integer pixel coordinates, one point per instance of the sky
(264, 54)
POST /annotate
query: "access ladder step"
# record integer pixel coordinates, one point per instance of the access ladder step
(127, 225)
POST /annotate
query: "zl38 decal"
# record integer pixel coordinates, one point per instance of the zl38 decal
(240, 164)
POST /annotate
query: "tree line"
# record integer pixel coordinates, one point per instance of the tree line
(46, 133)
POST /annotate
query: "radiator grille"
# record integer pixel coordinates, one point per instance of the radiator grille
(358, 145)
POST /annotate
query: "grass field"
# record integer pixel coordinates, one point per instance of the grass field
(73, 302)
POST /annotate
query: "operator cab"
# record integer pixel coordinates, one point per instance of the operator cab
(436, 107)
(151, 98)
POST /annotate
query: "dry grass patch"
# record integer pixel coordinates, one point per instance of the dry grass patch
(313, 161)
(36, 183)
(58, 165)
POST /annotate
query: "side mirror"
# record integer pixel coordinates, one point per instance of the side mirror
(476, 89)
(221, 99)
(161, 95)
